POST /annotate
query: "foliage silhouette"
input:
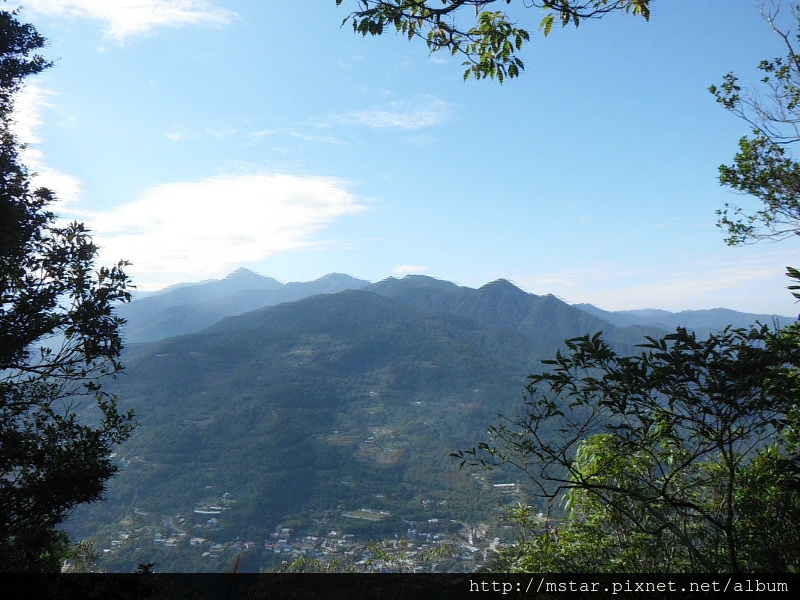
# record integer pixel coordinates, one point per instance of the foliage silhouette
(59, 341)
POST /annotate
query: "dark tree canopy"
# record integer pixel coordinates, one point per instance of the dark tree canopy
(488, 39)
(669, 460)
(18, 44)
(59, 340)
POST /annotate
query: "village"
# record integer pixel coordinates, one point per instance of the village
(432, 545)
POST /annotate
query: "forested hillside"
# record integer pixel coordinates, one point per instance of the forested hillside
(310, 409)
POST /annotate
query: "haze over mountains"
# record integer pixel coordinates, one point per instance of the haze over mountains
(701, 322)
(299, 403)
(189, 308)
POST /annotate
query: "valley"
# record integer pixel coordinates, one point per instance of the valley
(268, 431)
(197, 541)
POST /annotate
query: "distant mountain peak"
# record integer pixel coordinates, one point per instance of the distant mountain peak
(504, 286)
(337, 277)
(416, 281)
(242, 273)
(499, 282)
(418, 277)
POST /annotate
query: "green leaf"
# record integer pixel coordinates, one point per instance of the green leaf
(547, 24)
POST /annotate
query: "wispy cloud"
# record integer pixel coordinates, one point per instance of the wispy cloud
(318, 139)
(735, 281)
(28, 106)
(219, 132)
(176, 136)
(201, 228)
(124, 19)
(401, 114)
(206, 227)
(259, 135)
(409, 269)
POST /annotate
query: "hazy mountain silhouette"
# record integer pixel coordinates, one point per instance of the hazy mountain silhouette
(188, 308)
(703, 322)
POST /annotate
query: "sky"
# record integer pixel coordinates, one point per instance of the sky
(194, 137)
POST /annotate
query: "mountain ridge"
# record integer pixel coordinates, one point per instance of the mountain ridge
(702, 321)
(309, 409)
(188, 308)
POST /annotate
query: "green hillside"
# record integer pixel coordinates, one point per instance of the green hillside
(304, 412)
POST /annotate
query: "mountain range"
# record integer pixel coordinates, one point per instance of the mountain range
(702, 322)
(299, 403)
(189, 308)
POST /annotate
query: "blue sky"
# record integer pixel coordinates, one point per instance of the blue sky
(195, 137)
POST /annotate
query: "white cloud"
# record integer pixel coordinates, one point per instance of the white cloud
(405, 115)
(222, 132)
(408, 269)
(28, 105)
(124, 19)
(27, 114)
(219, 132)
(259, 135)
(207, 227)
(318, 139)
(176, 136)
